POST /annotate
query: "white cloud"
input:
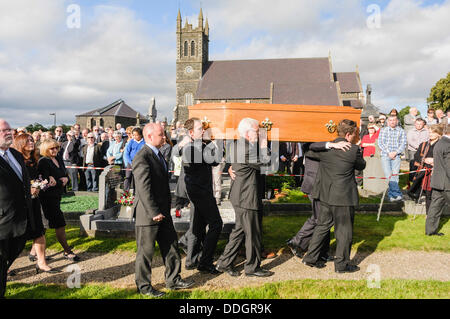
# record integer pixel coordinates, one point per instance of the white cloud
(402, 59)
(114, 55)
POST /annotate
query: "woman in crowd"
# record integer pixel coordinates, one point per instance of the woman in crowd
(431, 118)
(368, 141)
(52, 165)
(381, 121)
(115, 150)
(423, 159)
(134, 145)
(24, 143)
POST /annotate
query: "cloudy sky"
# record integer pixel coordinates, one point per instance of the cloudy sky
(126, 49)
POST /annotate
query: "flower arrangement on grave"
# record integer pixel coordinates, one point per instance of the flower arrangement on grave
(126, 199)
(39, 183)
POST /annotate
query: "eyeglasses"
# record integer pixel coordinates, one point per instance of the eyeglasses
(6, 130)
(54, 148)
(90, 137)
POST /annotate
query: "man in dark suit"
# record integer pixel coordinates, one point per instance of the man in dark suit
(440, 183)
(198, 180)
(104, 142)
(70, 152)
(152, 213)
(300, 242)
(291, 158)
(60, 136)
(336, 189)
(15, 203)
(246, 198)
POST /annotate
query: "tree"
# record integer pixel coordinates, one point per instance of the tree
(36, 127)
(403, 112)
(440, 94)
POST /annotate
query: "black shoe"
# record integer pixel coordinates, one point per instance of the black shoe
(12, 273)
(436, 234)
(50, 271)
(292, 247)
(153, 293)
(348, 268)
(260, 273)
(181, 284)
(318, 264)
(210, 269)
(71, 256)
(33, 258)
(327, 258)
(230, 271)
(191, 267)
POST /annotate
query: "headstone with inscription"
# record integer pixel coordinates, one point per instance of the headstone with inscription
(110, 183)
(373, 186)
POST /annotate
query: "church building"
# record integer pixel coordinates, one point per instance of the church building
(304, 81)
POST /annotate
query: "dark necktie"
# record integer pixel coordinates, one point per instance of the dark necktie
(162, 160)
(15, 169)
(294, 150)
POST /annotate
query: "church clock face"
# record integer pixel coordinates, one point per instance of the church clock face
(189, 69)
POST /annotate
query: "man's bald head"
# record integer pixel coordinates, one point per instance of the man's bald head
(6, 137)
(154, 134)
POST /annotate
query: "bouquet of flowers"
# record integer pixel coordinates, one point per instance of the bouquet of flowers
(39, 183)
(126, 199)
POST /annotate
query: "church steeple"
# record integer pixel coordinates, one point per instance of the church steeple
(179, 21)
(206, 27)
(200, 19)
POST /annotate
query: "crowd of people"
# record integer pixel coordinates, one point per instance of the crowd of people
(151, 154)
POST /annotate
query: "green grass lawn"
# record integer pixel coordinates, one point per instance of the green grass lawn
(391, 232)
(78, 203)
(293, 289)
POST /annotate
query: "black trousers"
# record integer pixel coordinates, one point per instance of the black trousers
(164, 233)
(205, 214)
(128, 182)
(304, 235)
(247, 227)
(194, 248)
(10, 249)
(437, 206)
(342, 218)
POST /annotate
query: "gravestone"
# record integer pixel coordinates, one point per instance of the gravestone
(373, 187)
(110, 183)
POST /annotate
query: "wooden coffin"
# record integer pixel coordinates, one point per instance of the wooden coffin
(294, 123)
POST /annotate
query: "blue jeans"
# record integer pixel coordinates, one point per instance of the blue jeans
(392, 166)
(91, 179)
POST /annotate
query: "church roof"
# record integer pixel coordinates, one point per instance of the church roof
(348, 81)
(295, 81)
(117, 108)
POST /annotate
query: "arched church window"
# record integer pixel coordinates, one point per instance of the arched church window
(185, 48)
(188, 99)
(192, 48)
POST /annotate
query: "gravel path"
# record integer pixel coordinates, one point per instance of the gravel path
(117, 269)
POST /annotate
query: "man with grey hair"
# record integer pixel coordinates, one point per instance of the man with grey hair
(15, 203)
(246, 198)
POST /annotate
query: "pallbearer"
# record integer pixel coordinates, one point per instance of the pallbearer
(246, 199)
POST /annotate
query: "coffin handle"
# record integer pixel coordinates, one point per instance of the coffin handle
(267, 124)
(205, 123)
(331, 126)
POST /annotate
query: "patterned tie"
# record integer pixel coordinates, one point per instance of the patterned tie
(15, 169)
(162, 160)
